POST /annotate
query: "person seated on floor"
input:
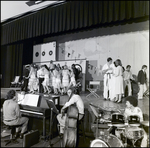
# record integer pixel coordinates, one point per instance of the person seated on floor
(12, 115)
(74, 98)
(132, 109)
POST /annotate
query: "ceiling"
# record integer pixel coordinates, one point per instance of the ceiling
(13, 9)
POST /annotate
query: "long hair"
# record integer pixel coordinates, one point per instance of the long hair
(118, 62)
(132, 100)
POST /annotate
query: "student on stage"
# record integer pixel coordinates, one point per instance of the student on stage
(12, 115)
(26, 72)
(65, 79)
(127, 75)
(119, 85)
(72, 79)
(32, 79)
(75, 71)
(51, 66)
(58, 80)
(46, 82)
(142, 81)
(107, 71)
(40, 75)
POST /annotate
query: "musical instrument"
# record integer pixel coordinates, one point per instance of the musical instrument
(134, 120)
(109, 141)
(134, 135)
(42, 111)
(118, 120)
(70, 130)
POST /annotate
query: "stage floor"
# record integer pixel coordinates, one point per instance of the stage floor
(143, 104)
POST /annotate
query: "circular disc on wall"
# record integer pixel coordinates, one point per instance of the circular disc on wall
(36, 54)
(50, 52)
(43, 53)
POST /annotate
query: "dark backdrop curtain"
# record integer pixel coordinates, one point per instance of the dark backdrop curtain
(11, 63)
(72, 15)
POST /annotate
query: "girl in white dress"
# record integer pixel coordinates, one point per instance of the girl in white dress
(65, 78)
(32, 79)
(72, 79)
(53, 77)
(46, 82)
(119, 85)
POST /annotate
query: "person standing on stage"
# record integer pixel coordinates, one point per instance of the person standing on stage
(107, 70)
(51, 66)
(142, 81)
(119, 85)
(127, 75)
(112, 94)
(40, 75)
(46, 82)
(26, 72)
(12, 115)
(75, 71)
(65, 79)
(32, 79)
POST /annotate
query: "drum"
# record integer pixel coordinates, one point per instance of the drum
(134, 133)
(109, 141)
(118, 120)
(134, 120)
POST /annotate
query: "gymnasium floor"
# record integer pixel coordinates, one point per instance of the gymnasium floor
(143, 104)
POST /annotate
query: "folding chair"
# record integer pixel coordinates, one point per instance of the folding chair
(96, 86)
(15, 82)
(146, 94)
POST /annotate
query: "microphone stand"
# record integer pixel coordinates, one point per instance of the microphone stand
(50, 144)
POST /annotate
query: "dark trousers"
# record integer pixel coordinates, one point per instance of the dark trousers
(40, 85)
(25, 85)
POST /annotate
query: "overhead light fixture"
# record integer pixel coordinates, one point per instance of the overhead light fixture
(37, 2)
(31, 3)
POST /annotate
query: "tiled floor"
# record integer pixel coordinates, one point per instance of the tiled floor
(143, 104)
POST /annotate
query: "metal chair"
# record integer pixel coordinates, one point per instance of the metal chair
(16, 82)
(96, 87)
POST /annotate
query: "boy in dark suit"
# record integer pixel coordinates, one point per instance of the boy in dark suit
(142, 80)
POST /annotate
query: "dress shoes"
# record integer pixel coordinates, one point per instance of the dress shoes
(16, 135)
(21, 136)
(119, 101)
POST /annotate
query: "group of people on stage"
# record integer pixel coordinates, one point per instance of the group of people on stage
(50, 79)
(116, 79)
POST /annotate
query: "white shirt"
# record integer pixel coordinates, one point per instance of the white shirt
(136, 111)
(127, 75)
(79, 103)
(40, 73)
(105, 67)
